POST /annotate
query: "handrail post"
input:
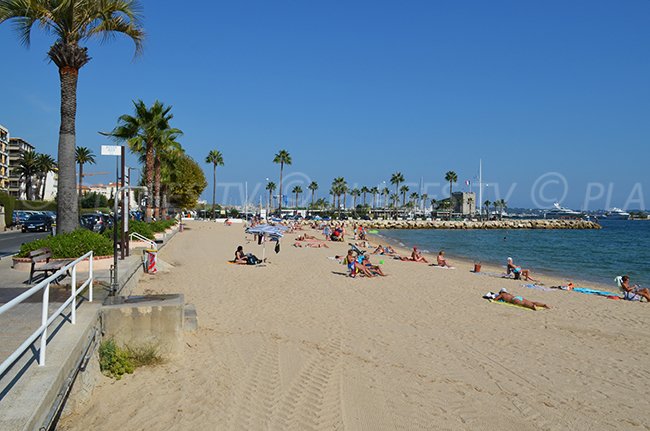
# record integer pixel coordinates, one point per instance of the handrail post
(46, 300)
(73, 291)
(90, 274)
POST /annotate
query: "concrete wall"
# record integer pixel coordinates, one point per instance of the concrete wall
(151, 320)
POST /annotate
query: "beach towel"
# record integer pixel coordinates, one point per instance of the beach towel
(442, 267)
(510, 305)
(594, 292)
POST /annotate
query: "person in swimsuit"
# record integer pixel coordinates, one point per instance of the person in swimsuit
(519, 300)
(373, 268)
(416, 256)
(518, 272)
(633, 293)
(442, 261)
(355, 266)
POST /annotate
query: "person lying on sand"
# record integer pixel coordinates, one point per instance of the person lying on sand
(518, 272)
(519, 300)
(416, 256)
(311, 244)
(304, 237)
(388, 250)
(633, 293)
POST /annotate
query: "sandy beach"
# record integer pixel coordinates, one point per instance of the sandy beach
(297, 345)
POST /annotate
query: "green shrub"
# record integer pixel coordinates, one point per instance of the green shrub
(93, 200)
(140, 227)
(71, 245)
(9, 203)
(115, 361)
(162, 225)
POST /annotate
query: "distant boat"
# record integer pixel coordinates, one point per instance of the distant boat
(560, 212)
(618, 214)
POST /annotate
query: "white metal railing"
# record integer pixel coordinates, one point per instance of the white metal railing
(139, 237)
(46, 318)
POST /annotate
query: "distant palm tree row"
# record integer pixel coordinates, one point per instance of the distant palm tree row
(32, 169)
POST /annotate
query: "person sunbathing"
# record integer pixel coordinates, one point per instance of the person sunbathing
(388, 250)
(442, 261)
(311, 244)
(518, 272)
(304, 237)
(416, 256)
(373, 268)
(354, 266)
(518, 300)
(633, 293)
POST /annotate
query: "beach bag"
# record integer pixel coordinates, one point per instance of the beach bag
(251, 259)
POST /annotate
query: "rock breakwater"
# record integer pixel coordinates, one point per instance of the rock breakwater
(492, 224)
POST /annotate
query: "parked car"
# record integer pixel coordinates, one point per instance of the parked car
(96, 222)
(37, 223)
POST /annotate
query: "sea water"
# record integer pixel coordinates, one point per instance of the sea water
(620, 247)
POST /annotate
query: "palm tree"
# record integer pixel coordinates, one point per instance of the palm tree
(403, 190)
(283, 158)
(297, 190)
(72, 22)
(424, 200)
(487, 208)
(166, 146)
(339, 187)
(46, 164)
(143, 131)
(83, 156)
(451, 177)
(216, 158)
(396, 179)
(170, 160)
(355, 193)
(271, 188)
(313, 186)
(27, 168)
(364, 190)
(393, 198)
(414, 199)
(503, 204)
(385, 193)
(375, 192)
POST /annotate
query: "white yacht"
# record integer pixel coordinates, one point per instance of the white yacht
(618, 214)
(560, 212)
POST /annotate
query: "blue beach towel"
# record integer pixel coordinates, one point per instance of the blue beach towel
(593, 291)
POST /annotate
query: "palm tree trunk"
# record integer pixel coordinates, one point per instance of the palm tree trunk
(157, 181)
(280, 192)
(149, 159)
(312, 199)
(67, 209)
(163, 198)
(214, 191)
(43, 186)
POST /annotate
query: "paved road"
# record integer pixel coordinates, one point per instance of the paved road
(10, 242)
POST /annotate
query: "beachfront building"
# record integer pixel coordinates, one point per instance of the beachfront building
(51, 186)
(463, 203)
(4, 158)
(17, 184)
(108, 190)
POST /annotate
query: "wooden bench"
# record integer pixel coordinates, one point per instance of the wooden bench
(41, 263)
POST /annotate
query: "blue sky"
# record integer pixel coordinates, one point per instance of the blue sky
(554, 96)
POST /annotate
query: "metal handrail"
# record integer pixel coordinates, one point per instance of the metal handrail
(46, 320)
(142, 238)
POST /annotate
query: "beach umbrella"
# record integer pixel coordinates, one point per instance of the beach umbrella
(268, 231)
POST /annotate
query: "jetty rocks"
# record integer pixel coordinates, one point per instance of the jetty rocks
(491, 224)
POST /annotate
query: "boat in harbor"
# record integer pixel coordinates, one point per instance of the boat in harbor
(618, 214)
(560, 212)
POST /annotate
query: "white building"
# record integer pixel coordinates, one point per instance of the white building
(17, 184)
(108, 190)
(4, 158)
(51, 186)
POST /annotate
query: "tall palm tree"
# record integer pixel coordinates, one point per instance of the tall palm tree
(487, 208)
(72, 22)
(374, 191)
(143, 131)
(364, 190)
(355, 193)
(27, 168)
(83, 156)
(282, 158)
(313, 186)
(216, 158)
(396, 179)
(503, 204)
(424, 200)
(164, 147)
(339, 187)
(414, 199)
(385, 193)
(403, 190)
(46, 164)
(451, 177)
(271, 188)
(296, 190)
